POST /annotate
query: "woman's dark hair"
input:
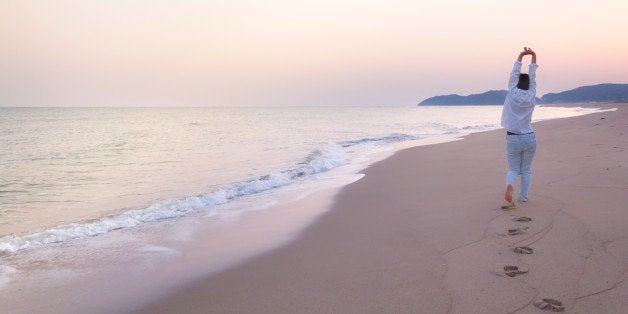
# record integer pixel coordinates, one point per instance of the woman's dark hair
(524, 81)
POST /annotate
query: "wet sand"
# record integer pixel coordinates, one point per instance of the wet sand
(424, 232)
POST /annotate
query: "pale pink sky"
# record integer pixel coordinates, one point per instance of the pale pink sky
(225, 53)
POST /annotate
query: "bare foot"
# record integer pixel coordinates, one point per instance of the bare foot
(509, 190)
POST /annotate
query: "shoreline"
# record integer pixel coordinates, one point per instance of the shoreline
(395, 243)
(114, 218)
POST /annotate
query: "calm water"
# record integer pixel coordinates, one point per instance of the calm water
(68, 173)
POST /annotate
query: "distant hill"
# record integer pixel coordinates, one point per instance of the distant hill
(494, 97)
(596, 93)
(593, 93)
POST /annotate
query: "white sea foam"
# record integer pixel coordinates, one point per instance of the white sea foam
(377, 141)
(484, 127)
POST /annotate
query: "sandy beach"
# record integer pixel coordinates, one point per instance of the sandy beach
(424, 232)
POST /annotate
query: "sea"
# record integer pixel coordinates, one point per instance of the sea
(99, 197)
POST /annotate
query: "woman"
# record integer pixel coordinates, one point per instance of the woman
(516, 117)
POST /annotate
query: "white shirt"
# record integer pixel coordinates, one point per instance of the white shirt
(519, 103)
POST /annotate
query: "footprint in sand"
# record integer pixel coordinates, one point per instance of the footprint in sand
(511, 270)
(550, 304)
(517, 231)
(523, 250)
(513, 231)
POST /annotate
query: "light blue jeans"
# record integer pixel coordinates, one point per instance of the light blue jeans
(520, 150)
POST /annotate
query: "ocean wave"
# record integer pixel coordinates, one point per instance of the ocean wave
(331, 157)
(377, 141)
(483, 127)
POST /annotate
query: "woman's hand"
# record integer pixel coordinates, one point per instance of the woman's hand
(531, 52)
(527, 51)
